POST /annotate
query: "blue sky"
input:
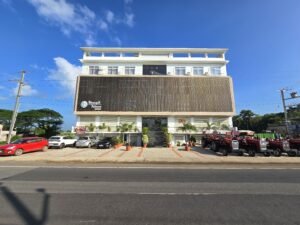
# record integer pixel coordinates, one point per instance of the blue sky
(44, 36)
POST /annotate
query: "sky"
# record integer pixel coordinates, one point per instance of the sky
(44, 38)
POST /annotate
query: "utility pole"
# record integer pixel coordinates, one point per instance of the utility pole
(284, 109)
(15, 112)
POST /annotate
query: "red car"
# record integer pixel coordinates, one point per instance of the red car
(23, 145)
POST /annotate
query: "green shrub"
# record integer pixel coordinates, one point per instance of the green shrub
(145, 130)
(116, 140)
(145, 139)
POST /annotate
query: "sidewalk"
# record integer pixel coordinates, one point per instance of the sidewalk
(148, 155)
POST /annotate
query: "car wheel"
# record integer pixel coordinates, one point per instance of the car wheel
(62, 146)
(74, 144)
(240, 153)
(213, 146)
(45, 148)
(277, 152)
(251, 153)
(291, 153)
(18, 152)
(49, 147)
(224, 151)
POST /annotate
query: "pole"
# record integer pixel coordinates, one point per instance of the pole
(285, 112)
(16, 108)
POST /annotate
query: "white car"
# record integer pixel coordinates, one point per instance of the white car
(61, 141)
(85, 141)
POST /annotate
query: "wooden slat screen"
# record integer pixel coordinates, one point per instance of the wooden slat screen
(157, 94)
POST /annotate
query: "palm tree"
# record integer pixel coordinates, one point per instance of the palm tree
(246, 116)
(186, 127)
(125, 128)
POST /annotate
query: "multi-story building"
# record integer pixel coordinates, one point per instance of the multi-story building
(154, 88)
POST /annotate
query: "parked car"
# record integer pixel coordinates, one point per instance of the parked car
(104, 143)
(24, 145)
(85, 141)
(61, 141)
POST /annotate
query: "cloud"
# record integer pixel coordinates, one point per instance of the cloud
(65, 74)
(78, 18)
(103, 25)
(27, 90)
(68, 17)
(110, 16)
(129, 19)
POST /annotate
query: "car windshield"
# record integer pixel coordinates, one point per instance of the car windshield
(54, 138)
(83, 138)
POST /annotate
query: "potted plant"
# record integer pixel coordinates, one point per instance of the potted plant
(193, 141)
(185, 128)
(117, 142)
(126, 128)
(91, 127)
(145, 140)
(169, 138)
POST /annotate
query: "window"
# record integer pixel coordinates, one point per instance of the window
(197, 70)
(112, 70)
(180, 70)
(130, 70)
(94, 69)
(216, 70)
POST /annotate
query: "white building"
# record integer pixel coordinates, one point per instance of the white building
(153, 87)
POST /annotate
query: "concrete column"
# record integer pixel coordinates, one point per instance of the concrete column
(139, 123)
(171, 124)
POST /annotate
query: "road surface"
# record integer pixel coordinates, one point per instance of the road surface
(155, 195)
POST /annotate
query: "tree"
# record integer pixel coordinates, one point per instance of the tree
(48, 120)
(187, 127)
(125, 128)
(246, 116)
(5, 117)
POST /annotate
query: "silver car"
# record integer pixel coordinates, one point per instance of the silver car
(85, 142)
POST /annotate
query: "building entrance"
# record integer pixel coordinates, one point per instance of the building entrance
(155, 126)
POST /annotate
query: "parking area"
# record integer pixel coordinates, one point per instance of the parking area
(142, 155)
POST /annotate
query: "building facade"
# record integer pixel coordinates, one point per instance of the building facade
(154, 88)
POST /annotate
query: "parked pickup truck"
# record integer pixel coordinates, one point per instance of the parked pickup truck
(61, 141)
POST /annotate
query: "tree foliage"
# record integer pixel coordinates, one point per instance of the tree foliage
(247, 120)
(42, 122)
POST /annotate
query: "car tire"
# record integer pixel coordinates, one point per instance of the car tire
(214, 146)
(224, 151)
(240, 153)
(251, 153)
(292, 153)
(62, 146)
(277, 152)
(45, 148)
(18, 152)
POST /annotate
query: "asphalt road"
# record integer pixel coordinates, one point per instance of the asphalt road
(88, 196)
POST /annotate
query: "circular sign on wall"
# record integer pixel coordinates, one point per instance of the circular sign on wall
(84, 104)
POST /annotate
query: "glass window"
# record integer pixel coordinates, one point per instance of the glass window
(180, 70)
(216, 70)
(94, 69)
(197, 70)
(112, 70)
(130, 70)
